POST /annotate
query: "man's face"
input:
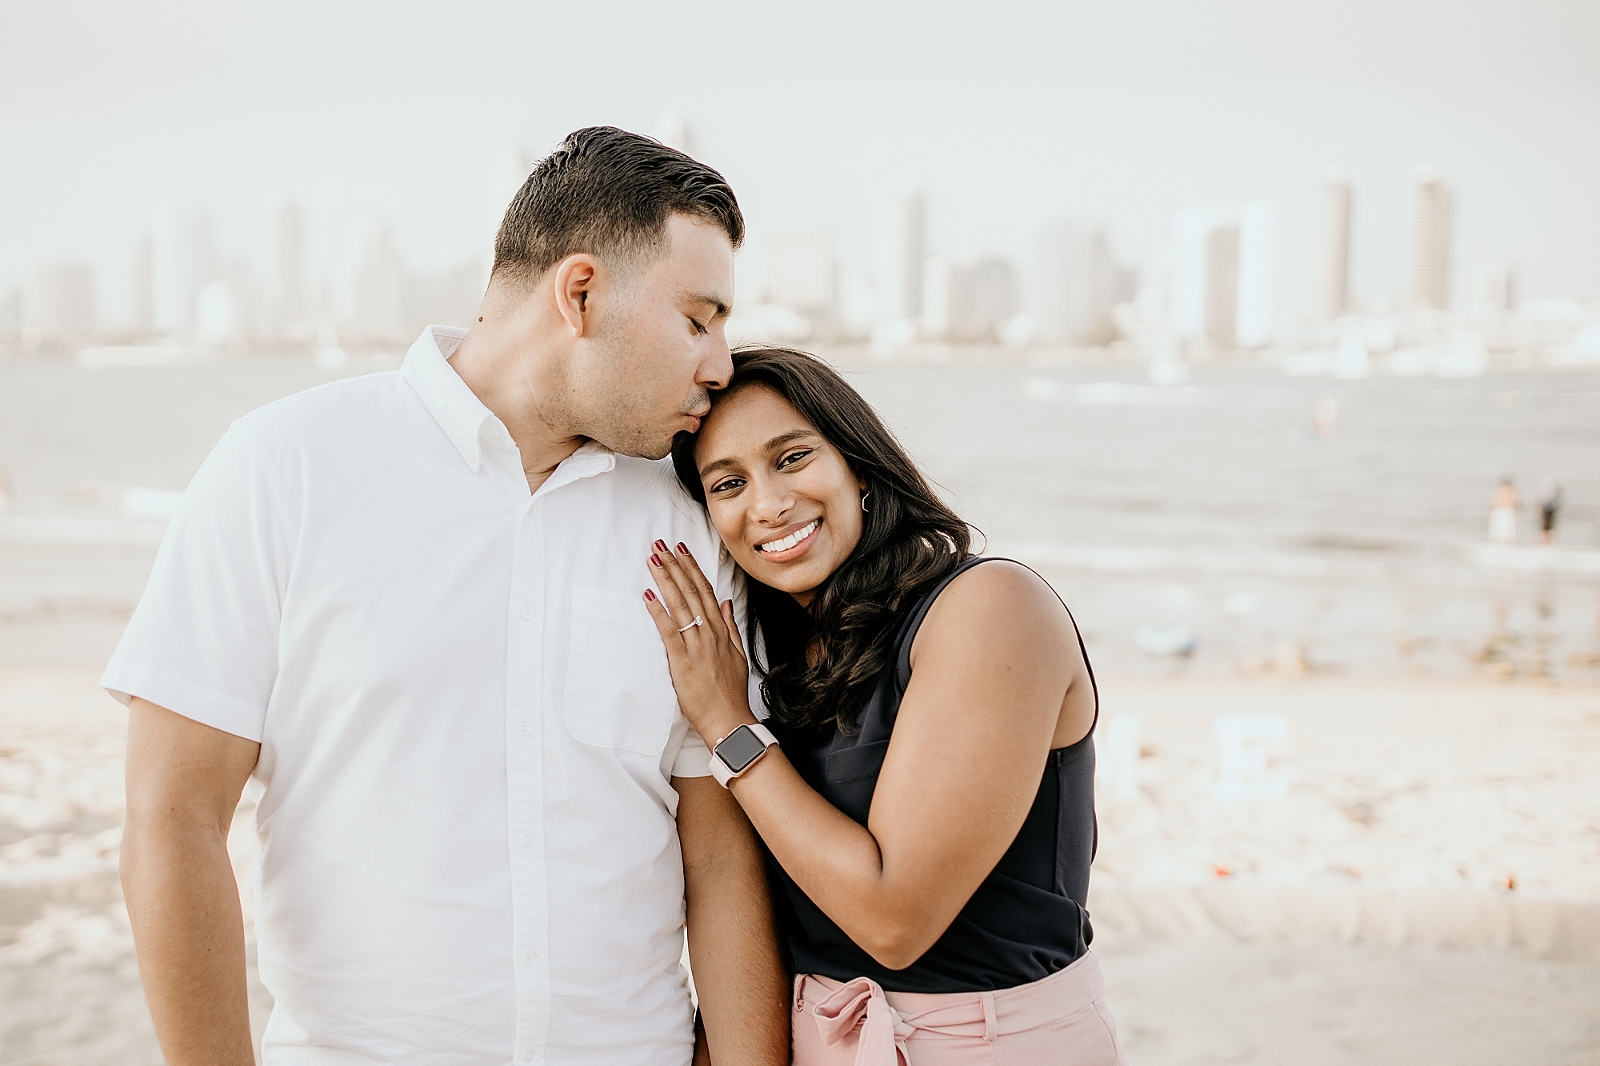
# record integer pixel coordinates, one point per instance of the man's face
(660, 344)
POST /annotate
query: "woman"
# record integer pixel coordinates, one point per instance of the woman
(1503, 513)
(929, 805)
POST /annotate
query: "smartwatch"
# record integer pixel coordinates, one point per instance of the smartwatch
(739, 750)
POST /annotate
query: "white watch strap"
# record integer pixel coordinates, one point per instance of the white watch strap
(722, 772)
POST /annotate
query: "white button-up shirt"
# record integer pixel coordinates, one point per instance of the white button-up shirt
(468, 731)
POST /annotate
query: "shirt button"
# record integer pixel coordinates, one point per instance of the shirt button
(524, 728)
(527, 613)
(527, 1056)
(527, 842)
(532, 955)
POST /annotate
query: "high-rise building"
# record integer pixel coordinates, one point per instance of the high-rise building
(221, 313)
(968, 301)
(61, 301)
(798, 268)
(449, 296)
(287, 310)
(672, 130)
(507, 173)
(1336, 248)
(1224, 276)
(185, 262)
(1221, 322)
(904, 249)
(989, 294)
(1075, 282)
(939, 296)
(369, 292)
(142, 277)
(1494, 290)
(1192, 278)
(1127, 287)
(1257, 308)
(11, 311)
(1431, 276)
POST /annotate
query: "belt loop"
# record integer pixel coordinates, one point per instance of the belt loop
(991, 1028)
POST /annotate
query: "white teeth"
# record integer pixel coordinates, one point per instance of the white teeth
(791, 540)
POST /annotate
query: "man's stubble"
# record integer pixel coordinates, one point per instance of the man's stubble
(608, 400)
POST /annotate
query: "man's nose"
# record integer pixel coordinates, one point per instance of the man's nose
(716, 369)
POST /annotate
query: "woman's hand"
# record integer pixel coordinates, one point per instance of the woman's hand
(707, 659)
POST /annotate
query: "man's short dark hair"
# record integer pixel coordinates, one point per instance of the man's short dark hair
(609, 193)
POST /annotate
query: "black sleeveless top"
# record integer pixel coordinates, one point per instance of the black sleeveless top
(1027, 919)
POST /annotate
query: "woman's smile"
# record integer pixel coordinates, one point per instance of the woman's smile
(790, 544)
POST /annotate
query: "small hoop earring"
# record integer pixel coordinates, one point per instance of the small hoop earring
(864, 496)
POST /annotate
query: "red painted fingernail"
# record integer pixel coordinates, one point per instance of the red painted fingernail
(655, 560)
(661, 545)
(683, 549)
(649, 595)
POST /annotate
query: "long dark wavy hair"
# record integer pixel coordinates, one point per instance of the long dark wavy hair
(909, 540)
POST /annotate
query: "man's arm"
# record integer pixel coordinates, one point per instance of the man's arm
(184, 780)
(733, 943)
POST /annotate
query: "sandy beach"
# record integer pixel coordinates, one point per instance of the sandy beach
(1358, 823)
(1427, 889)
(69, 982)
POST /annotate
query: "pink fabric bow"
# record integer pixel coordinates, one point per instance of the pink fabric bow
(883, 1031)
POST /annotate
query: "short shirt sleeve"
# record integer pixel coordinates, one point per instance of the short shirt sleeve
(694, 758)
(204, 639)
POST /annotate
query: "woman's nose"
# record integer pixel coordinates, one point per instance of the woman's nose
(770, 504)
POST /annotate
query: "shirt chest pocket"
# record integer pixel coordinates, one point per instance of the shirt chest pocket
(619, 693)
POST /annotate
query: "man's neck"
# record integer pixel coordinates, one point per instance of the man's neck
(507, 381)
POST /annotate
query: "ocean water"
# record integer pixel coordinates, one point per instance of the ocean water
(1213, 508)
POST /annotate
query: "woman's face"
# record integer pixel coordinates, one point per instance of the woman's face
(786, 503)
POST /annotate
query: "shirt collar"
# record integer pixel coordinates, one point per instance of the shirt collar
(465, 419)
(590, 459)
(459, 413)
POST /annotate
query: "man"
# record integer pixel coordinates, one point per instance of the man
(406, 608)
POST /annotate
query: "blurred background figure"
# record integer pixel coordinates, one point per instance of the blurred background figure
(1503, 513)
(1325, 423)
(1549, 509)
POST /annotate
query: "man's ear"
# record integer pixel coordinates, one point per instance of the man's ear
(575, 282)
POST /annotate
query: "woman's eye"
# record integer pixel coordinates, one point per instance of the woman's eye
(727, 485)
(698, 328)
(793, 457)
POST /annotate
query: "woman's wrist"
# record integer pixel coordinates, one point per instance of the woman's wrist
(714, 727)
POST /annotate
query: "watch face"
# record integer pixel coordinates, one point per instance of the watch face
(740, 748)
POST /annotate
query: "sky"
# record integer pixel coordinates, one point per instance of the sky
(1006, 113)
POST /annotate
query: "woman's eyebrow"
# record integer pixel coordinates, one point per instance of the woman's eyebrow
(718, 465)
(784, 438)
(772, 445)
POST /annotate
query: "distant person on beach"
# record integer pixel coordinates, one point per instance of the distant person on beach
(1549, 510)
(924, 783)
(1503, 513)
(1325, 423)
(404, 610)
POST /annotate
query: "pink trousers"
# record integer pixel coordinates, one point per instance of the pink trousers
(1061, 1019)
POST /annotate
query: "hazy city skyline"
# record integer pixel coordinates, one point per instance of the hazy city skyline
(1498, 109)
